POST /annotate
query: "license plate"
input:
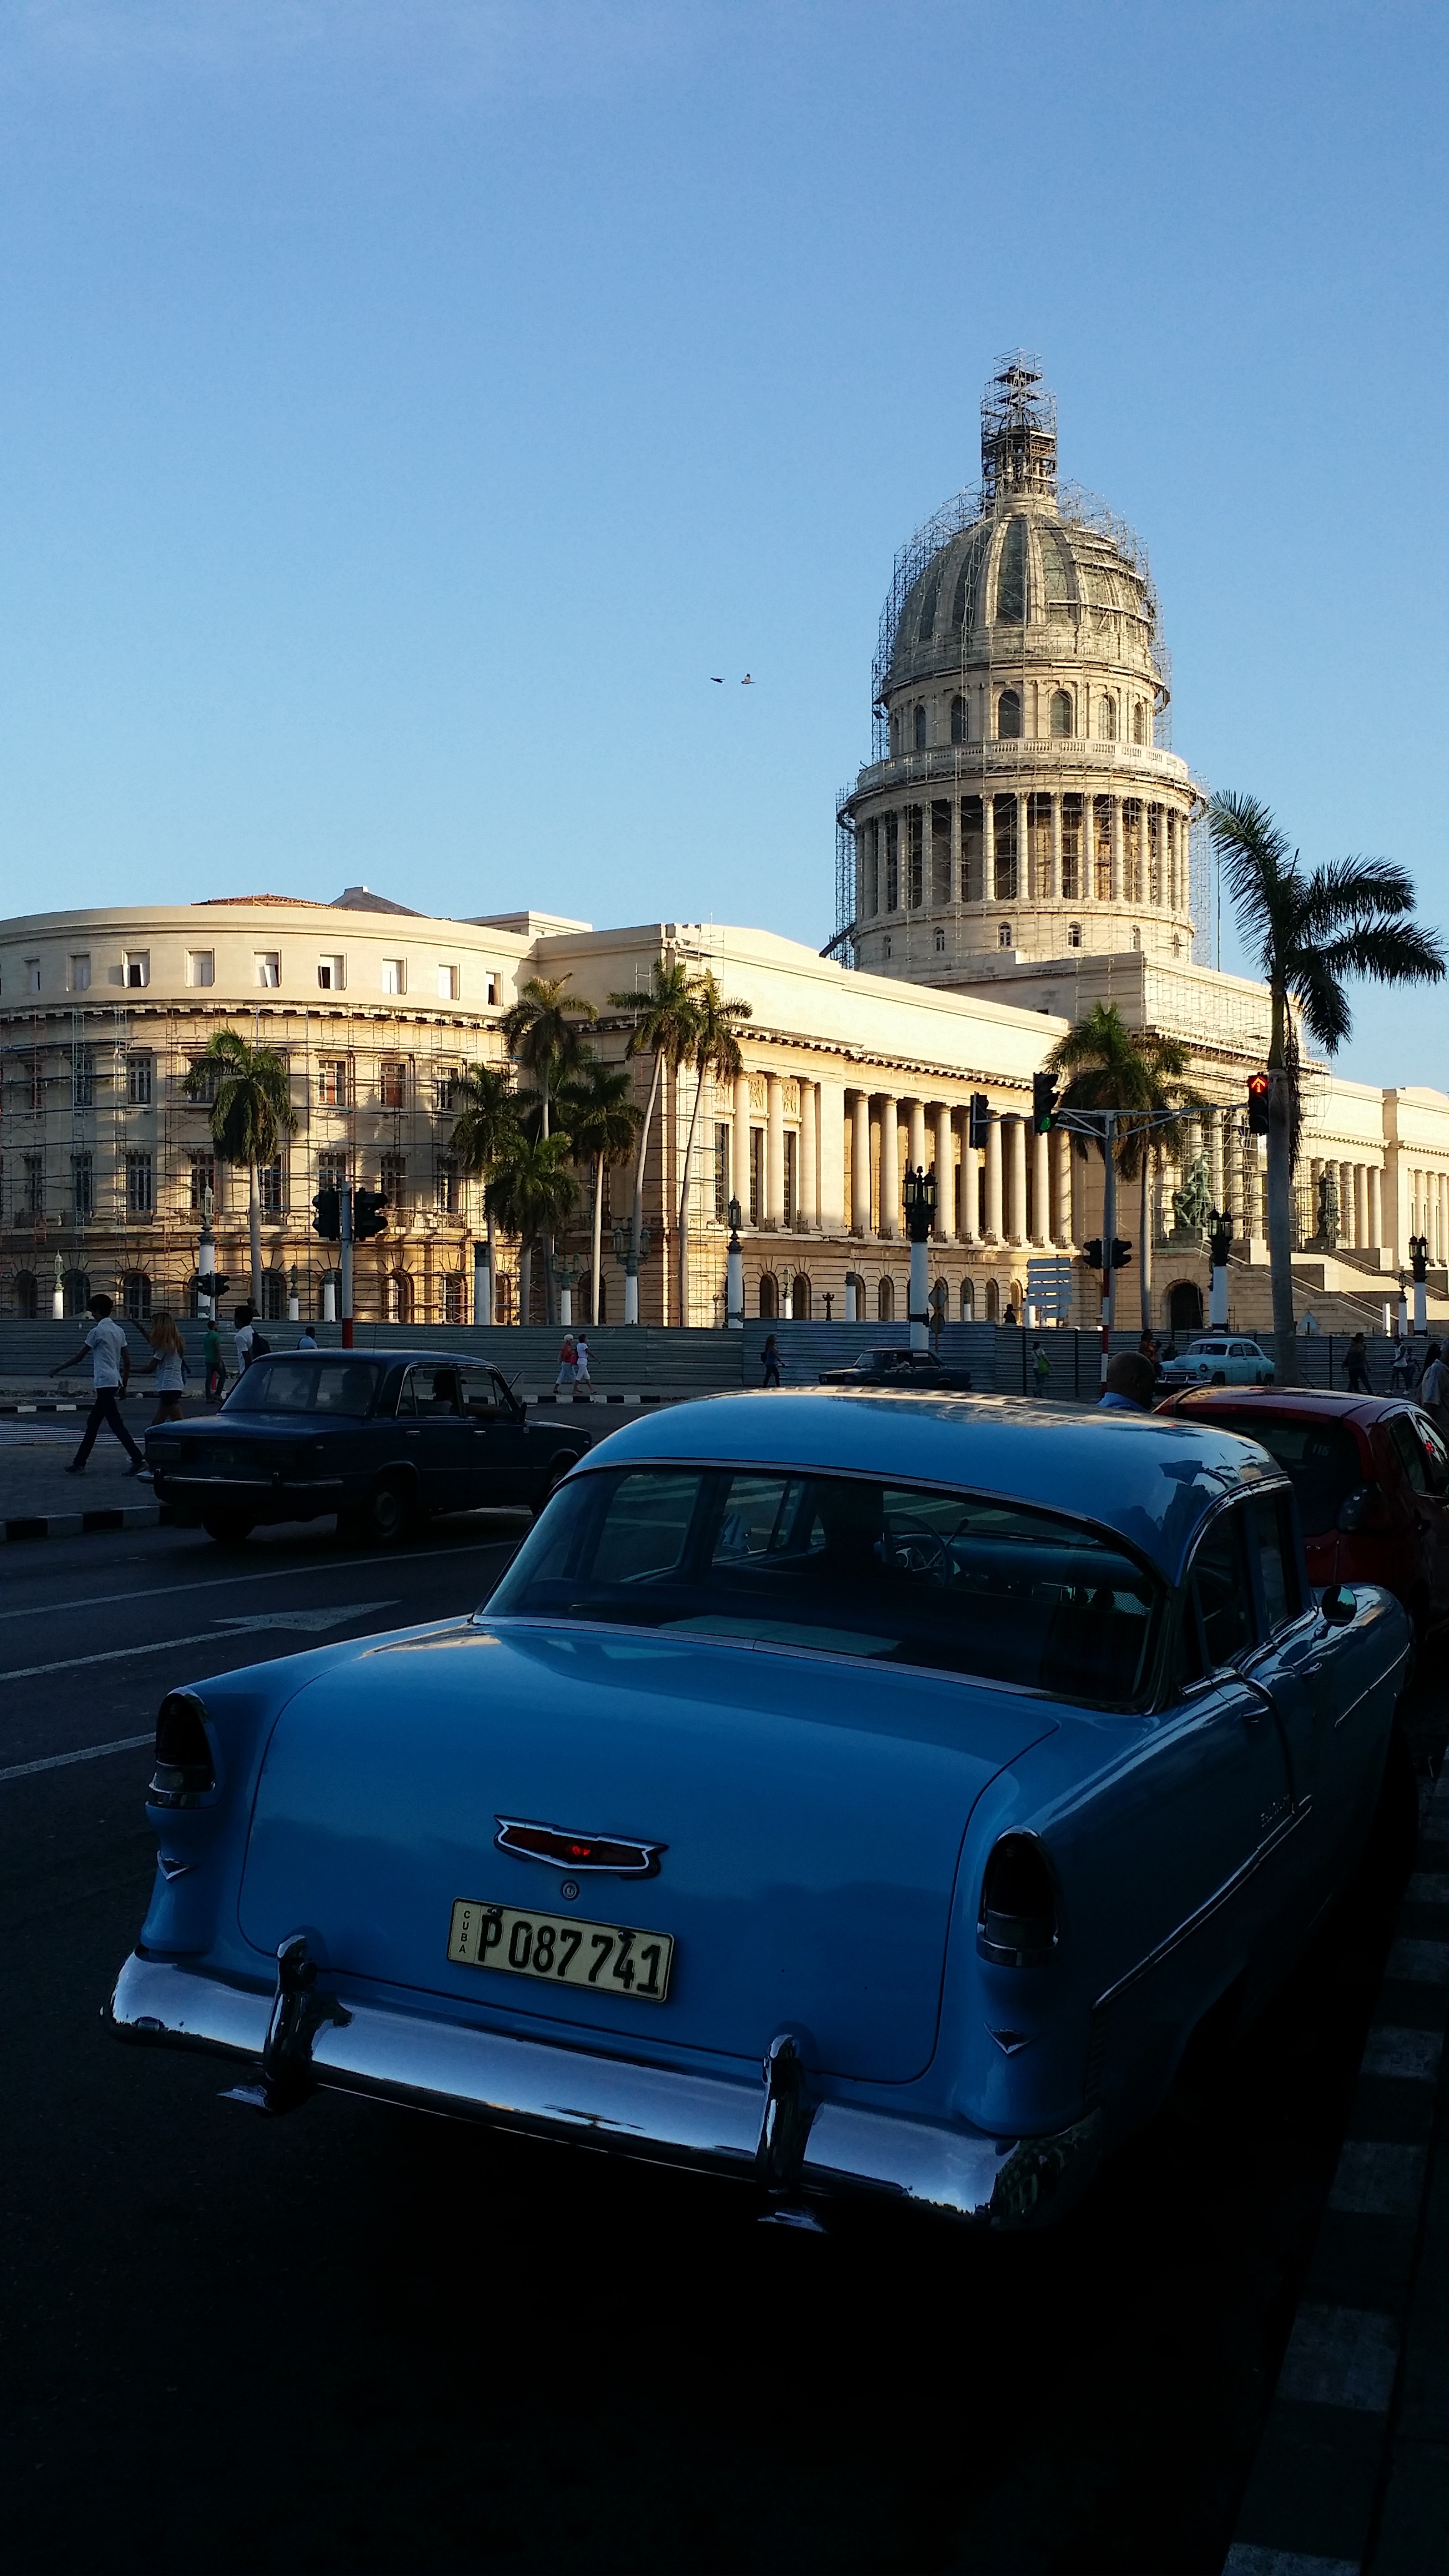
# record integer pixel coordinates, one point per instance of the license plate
(561, 1950)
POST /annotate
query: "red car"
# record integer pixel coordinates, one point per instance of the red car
(1371, 1473)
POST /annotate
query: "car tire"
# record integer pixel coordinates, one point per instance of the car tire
(1220, 1377)
(387, 1515)
(228, 1528)
(556, 1475)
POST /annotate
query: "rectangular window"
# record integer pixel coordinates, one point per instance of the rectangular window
(872, 867)
(272, 1188)
(34, 1185)
(941, 853)
(333, 1090)
(268, 965)
(140, 1185)
(32, 974)
(448, 1185)
(1039, 843)
(972, 888)
(447, 983)
(393, 1182)
(757, 1173)
(205, 1073)
(33, 1078)
(915, 869)
(140, 1080)
(203, 1178)
(331, 974)
(394, 976)
(1006, 877)
(83, 1077)
(136, 969)
(721, 1174)
(445, 1091)
(392, 1082)
(893, 863)
(80, 972)
(82, 1187)
(1071, 849)
(492, 989)
(200, 968)
(790, 1142)
(1102, 877)
(332, 1170)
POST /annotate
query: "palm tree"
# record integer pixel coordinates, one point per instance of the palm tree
(1108, 1066)
(544, 1033)
(602, 1121)
(665, 1019)
(715, 1051)
(250, 1112)
(482, 1138)
(1311, 929)
(531, 1193)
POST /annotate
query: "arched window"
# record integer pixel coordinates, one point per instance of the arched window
(503, 1298)
(993, 1302)
(399, 1297)
(1106, 718)
(274, 1296)
(885, 1302)
(1136, 935)
(958, 719)
(1008, 716)
(800, 1298)
(885, 946)
(26, 1296)
(920, 728)
(455, 1300)
(1003, 936)
(1074, 934)
(1139, 722)
(895, 733)
(1061, 711)
(968, 1301)
(769, 1296)
(77, 1286)
(136, 1297)
(940, 941)
(1184, 1307)
(1011, 575)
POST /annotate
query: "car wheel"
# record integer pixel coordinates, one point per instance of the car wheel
(556, 1475)
(1220, 1377)
(386, 1515)
(227, 1528)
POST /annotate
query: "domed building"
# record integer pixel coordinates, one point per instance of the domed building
(1024, 803)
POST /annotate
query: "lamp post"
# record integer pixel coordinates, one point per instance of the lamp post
(920, 1199)
(1419, 1256)
(206, 1261)
(566, 1272)
(482, 1280)
(630, 1253)
(294, 1302)
(1403, 1307)
(734, 1273)
(1219, 1239)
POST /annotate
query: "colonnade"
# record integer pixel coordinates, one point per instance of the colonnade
(1360, 1188)
(982, 1194)
(1019, 845)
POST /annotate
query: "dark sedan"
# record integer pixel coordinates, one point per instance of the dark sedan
(896, 1369)
(382, 1440)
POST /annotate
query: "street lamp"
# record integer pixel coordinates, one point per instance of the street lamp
(1419, 1256)
(630, 1253)
(920, 1199)
(1219, 1240)
(566, 1269)
(294, 1302)
(734, 1273)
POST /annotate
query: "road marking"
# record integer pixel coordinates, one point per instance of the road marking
(92, 1753)
(233, 1582)
(310, 1620)
(1341, 2357)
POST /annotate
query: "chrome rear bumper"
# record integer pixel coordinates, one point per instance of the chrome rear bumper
(651, 2113)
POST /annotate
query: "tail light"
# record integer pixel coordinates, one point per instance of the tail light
(1017, 1925)
(1366, 1508)
(184, 1768)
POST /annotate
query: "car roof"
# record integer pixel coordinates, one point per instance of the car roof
(1331, 1403)
(1152, 1478)
(392, 1357)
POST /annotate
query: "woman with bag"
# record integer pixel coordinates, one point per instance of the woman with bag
(167, 1365)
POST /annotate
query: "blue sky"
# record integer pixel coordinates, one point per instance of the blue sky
(408, 404)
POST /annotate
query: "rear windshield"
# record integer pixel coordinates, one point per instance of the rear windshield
(1320, 1458)
(305, 1386)
(841, 1565)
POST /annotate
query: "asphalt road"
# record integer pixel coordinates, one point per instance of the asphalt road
(354, 2339)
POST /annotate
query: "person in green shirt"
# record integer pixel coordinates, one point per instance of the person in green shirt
(215, 1365)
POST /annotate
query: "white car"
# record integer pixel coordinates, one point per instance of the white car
(1220, 1359)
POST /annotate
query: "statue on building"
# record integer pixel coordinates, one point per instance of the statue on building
(1192, 1205)
(1328, 1209)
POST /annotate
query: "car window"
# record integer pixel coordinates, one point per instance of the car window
(1220, 1582)
(305, 1386)
(1410, 1450)
(1435, 1453)
(846, 1565)
(431, 1392)
(1277, 1559)
(1210, 1350)
(1237, 1350)
(1320, 1459)
(478, 1394)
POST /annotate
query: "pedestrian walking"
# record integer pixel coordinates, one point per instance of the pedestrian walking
(1356, 1366)
(1010, 1315)
(1434, 1387)
(110, 1368)
(1147, 1347)
(568, 1365)
(583, 1383)
(1041, 1367)
(167, 1365)
(1401, 1367)
(244, 1336)
(770, 1360)
(214, 1364)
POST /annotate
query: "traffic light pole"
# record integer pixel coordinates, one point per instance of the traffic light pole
(1109, 1236)
(344, 1211)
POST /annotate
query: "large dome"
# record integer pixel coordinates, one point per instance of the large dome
(1018, 565)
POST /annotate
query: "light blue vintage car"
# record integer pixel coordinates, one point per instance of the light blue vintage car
(845, 1794)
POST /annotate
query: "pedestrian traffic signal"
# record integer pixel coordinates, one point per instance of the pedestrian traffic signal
(979, 1123)
(1092, 1253)
(1260, 1092)
(1043, 1103)
(367, 1215)
(328, 1218)
(1121, 1253)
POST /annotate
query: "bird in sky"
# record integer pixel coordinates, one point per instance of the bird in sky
(718, 678)
(747, 682)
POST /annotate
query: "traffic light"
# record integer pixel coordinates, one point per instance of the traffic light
(1260, 1092)
(1419, 1256)
(1121, 1253)
(367, 1215)
(979, 1124)
(1092, 1253)
(1043, 1103)
(328, 1218)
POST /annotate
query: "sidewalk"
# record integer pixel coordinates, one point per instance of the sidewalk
(36, 1493)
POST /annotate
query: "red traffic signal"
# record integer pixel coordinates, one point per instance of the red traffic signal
(1260, 1092)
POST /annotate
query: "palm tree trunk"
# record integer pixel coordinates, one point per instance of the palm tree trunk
(638, 1209)
(492, 1225)
(525, 1278)
(1145, 1239)
(254, 1213)
(684, 1200)
(548, 1241)
(596, 1283)
(1280, 1229)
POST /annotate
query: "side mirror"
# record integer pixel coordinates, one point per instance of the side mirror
(1366, 1508)
(1338, 1606)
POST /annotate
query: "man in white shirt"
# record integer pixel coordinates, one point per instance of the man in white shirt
(244, 1337)
(110, 1368)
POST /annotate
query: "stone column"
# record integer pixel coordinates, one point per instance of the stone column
(1041, 1216)
(808, 1220)
(1216, 1123)
(945, 1175)
(1360, 1205)
(830, 1140)
(774, 1208)
(916, 1134)
(1345, 1205)
(968, 1210)
(1375, 1203)
(740, 1146)
(890, 1168)
(1016, 1218)
(1054, 888)
(1118, 860)
(1025, 890)
(1062, 1173)
(860, 1164)
(1087, 863)
(993, 1181)
(956, 846)
(988, 842)
(1315, 1174)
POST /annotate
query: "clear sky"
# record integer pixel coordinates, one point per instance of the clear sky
(408, 404)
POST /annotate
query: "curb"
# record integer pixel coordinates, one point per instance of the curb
(126, 1516)
(1315, 2486)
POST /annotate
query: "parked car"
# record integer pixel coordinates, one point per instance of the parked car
(897, 1368)
(1372, 1480)
(1219, 1359)
(848, 1796)
(380, 1439)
